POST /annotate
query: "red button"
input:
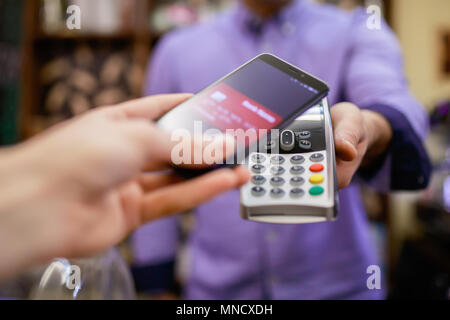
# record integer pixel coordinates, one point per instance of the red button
(316, 167)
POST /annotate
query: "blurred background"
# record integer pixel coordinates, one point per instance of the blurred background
(49, 73)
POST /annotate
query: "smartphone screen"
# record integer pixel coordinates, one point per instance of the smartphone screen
(265, 93)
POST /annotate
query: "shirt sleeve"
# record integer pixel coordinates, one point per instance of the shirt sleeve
(154, 245)
(375, 80)
(162, 70)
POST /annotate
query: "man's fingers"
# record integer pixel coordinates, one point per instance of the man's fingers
(345, 171)
(348, 130)
(345, 149)
(153, 107)
(188, 194)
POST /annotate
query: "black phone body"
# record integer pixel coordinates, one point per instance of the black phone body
(264, 93)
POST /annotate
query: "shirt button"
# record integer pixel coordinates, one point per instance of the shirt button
(316, 178)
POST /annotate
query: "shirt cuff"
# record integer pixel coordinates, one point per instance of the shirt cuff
(410, 166)
(155, 278)
(378, 177)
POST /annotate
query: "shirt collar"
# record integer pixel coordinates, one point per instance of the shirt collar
(250, 22)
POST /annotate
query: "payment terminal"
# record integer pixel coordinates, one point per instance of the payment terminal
(293, 179)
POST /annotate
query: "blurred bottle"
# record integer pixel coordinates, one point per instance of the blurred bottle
(104, 277)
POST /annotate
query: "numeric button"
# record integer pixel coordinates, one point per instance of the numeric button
(277, 192)
(258, 180)
(297, 159)
(316, 168)
(316, 178)
(297, 170)
(297, 181)
(304, 135)
(258, 158)
(297, 192)
(316, 191)
(258, 168)
(317, 157)
(277, 181)
(277, 170)
(305, 144)
(258, 191)
(277, 160)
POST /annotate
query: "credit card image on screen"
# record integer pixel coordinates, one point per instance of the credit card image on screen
(265, 93)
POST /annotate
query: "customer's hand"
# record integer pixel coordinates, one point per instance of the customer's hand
(361, 136)
(80, 187)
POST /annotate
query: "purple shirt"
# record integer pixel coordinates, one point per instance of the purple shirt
(235, 259)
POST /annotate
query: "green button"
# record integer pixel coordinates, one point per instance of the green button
(316, 191)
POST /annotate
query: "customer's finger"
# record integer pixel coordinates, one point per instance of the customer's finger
(153, 166)
(152, 107)
(201, 151)
(157, 147)
(348, 130)
(188, 194)
(151, 181)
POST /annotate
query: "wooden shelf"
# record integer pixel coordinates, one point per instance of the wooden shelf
(138, 39)
(39, 47)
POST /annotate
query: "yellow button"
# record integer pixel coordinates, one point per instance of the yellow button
(316, 178)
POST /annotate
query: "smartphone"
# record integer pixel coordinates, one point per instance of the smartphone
(263, 94)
